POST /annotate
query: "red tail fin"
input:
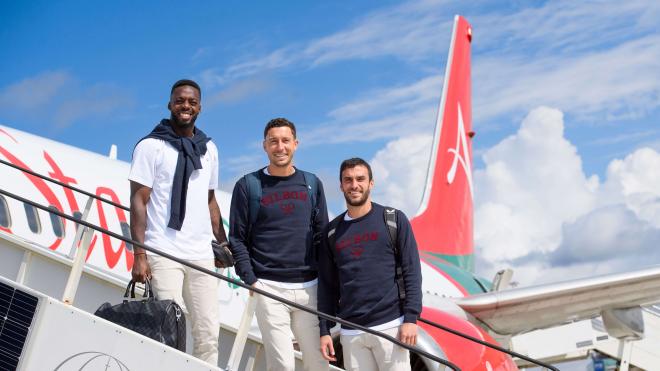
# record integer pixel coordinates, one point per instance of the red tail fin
(443, 225)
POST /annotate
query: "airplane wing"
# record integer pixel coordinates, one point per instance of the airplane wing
(525, 309)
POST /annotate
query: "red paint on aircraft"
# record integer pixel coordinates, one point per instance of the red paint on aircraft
(464, 353)
(57, 174)
(445, 225)
(112, 256)
(9, 135)
(40, 185)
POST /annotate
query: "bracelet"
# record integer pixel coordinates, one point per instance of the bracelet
(140, 253)
(224, 244)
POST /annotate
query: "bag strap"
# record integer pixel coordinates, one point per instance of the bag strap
(332, 228)
(253, 181)
(389, 215)
(255, 192)
(312, 187)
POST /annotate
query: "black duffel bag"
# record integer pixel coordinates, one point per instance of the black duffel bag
(161, 320)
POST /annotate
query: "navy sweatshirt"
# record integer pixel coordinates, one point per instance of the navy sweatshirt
(282, 244)
(356, 276)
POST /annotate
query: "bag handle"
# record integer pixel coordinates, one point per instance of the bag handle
(148, 291)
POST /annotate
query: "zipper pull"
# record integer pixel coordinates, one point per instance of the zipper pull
(177, 312)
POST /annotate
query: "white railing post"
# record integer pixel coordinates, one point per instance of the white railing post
(241, 335)
(80, 247)
(625, 347)
(24, 267)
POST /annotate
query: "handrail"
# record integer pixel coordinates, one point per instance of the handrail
(487, 344)
(115, 204)
(241, 284)
(233, 281)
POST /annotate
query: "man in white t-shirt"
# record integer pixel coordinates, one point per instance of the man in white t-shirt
(174, 173)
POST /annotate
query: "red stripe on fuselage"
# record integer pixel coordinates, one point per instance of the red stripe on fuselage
(40, 185)
(9, 135)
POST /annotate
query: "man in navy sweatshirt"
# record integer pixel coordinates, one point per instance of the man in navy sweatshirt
(357, 279)
(275, 244)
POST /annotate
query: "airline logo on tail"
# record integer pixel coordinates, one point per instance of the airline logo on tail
(463, 158)
(443, 226)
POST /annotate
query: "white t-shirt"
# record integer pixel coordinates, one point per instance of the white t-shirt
(153, 165)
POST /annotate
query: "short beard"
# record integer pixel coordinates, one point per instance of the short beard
(287, 164)
(359, 202)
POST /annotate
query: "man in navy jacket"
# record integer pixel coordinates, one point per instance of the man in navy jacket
(357, 278)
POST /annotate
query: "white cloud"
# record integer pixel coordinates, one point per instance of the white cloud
(100, 99)
(532, 184)
(570, 40)
(611, 233)
(386, 101)
(33, 92)
(399, 169)
(402, 31)
(618, 82)
(536, 210)
(239, 91)
(243, 164)
(408, 32)
(585, 58)
(60, 99)
(533, 199)
(382, 113)
(564, 27)
(635, 182)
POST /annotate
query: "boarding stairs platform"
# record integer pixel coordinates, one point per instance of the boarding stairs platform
(63, 328)
(42, 333)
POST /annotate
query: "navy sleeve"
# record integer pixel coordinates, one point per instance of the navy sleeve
(238, 232)
(328, 288)
(412, 270)
(321, 217)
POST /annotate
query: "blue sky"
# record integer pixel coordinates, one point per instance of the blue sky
(566, 103)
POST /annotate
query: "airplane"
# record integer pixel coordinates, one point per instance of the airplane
(453, 295)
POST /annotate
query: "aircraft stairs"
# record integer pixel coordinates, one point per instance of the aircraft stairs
(40, 332)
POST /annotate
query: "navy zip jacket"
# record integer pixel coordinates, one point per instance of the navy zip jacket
(282, 244)
(357, 275)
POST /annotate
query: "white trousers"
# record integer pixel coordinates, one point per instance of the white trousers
(276, 322)
(197, 294)
(367, 352)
